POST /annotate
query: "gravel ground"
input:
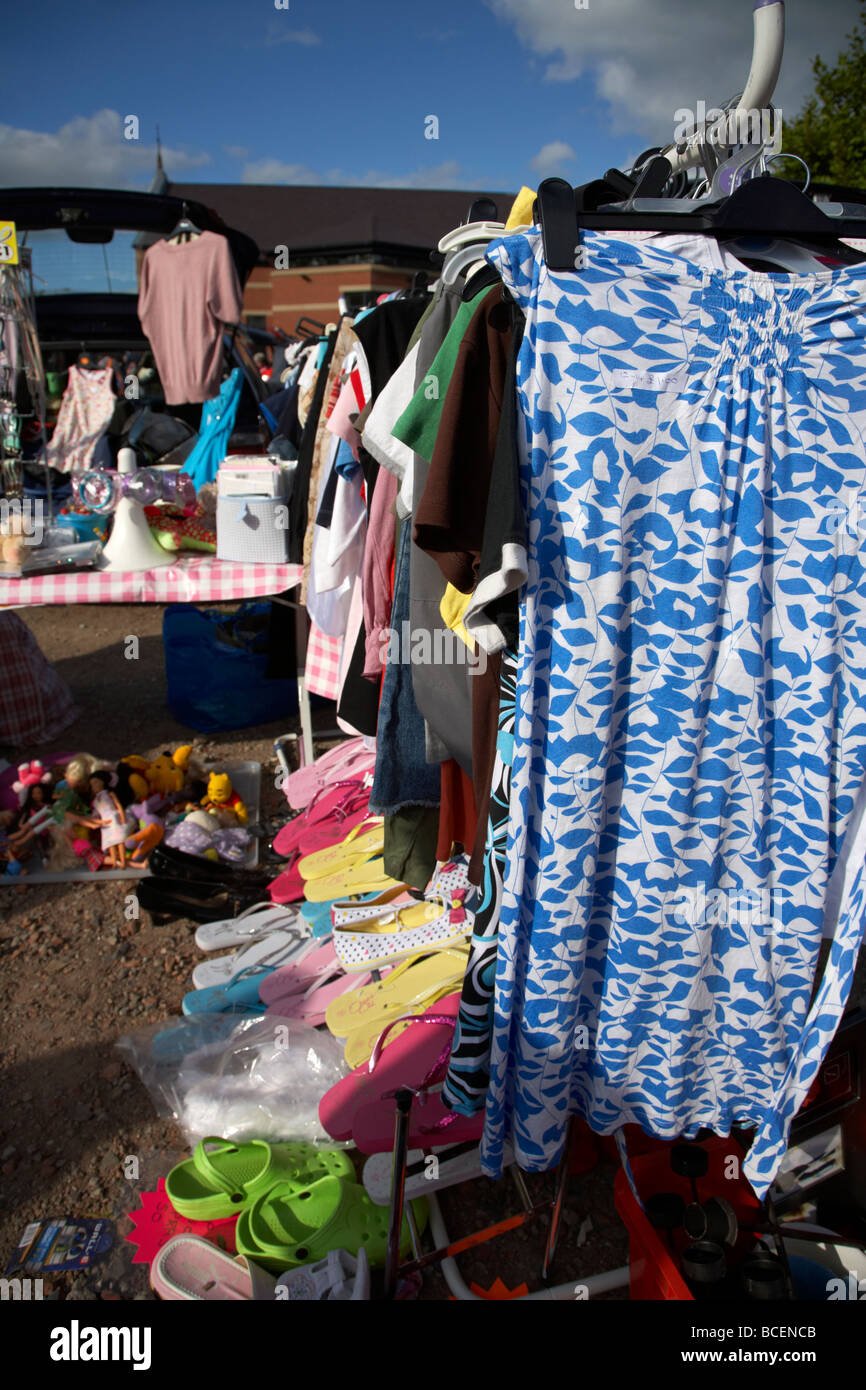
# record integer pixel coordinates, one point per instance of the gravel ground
(76, 975)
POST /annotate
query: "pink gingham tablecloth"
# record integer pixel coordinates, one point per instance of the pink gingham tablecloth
(322, 672)
(193, 579)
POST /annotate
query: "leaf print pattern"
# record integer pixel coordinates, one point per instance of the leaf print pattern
(690, 707)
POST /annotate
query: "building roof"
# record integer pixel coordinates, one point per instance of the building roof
(314, 219)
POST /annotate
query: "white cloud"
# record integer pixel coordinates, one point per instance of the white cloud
(648, 58)
(88, 151)
(447, 175)
(239, 152)
(552, 156)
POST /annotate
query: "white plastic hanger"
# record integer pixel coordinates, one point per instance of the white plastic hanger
(471, 232)
(458, 262)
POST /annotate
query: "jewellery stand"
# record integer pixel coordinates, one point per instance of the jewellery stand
(132, 545)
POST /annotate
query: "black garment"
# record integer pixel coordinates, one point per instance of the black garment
(300, 499)
(326, 506)
(189, 412)
(288, 424)
(282, 654)
(384, 335)
(506, 517)
(359, 697)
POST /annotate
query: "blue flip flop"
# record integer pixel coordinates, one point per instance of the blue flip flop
(239, 996)
(318, 915)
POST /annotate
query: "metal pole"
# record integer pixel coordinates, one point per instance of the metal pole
(404, 1100)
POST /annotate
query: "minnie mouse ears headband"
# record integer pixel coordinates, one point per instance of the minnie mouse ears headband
(29, 774)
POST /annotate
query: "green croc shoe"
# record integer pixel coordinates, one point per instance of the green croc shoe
(220, 1181)
(288, 1227)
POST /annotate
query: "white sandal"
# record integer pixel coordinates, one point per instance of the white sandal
(276, 948)
(249, 925)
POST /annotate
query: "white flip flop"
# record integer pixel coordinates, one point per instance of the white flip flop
(426, 1172)
(249, 925)
(276, 948)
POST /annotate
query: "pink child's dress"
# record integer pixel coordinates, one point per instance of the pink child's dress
(104, 807)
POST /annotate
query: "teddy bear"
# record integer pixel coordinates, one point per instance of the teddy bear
(221, 799)
(164, 776)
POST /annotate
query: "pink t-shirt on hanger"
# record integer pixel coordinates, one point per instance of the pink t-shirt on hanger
(188, 293)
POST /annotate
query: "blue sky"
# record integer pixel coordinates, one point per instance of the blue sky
(337, 91)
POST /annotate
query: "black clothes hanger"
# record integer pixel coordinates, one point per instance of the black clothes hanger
(762, 206)
(482, 210)
(185, 228)
(309, 329)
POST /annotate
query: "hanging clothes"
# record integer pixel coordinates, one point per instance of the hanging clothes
(189, 294)
(689, 690)
(217, 423)
(85, 413)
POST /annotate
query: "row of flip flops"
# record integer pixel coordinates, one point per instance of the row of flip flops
(282, 967)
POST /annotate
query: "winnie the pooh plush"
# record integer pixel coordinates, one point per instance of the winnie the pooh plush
(221, 798)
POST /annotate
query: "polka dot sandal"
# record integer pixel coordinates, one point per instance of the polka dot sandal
(404, 931)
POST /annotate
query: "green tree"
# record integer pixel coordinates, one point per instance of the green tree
(830, 131)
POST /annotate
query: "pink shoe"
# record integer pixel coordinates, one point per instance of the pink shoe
(311, 1005)
(348, 759)
(333, 804)
(299, 974)
(416, 1058)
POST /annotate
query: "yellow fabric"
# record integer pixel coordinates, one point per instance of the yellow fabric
(521, 209)
(452, 606)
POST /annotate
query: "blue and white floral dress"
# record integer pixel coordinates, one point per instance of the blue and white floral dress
(691, 695)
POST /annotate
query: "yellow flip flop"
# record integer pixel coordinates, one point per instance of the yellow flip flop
(364, 876)
(406, 986)
(366, 840)
(359, 1043)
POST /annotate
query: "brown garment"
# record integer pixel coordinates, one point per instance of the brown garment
(449, 520)
(451, 515)
(457, 814)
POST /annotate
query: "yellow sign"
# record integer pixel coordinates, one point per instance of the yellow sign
(8, 244)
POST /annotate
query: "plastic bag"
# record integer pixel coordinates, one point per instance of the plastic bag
(240, 1076)
(215, 665)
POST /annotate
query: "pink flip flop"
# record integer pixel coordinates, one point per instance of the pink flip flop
(416, 1058)
(297, 975)
(333, 803)
(311, 1005)
(430, 1125)
(288, 887)
(349, 758)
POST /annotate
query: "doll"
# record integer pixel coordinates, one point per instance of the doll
(80, 769)
(110, 818)
(31, 820)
